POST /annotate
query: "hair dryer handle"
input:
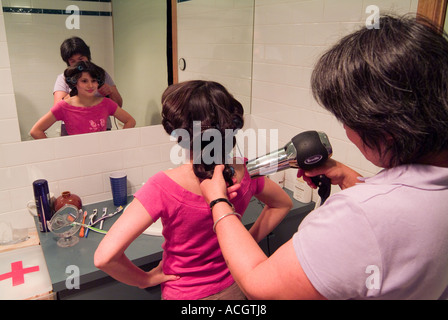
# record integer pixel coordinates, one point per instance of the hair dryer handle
(323, 183)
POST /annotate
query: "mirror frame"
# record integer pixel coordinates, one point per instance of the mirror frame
(434, 10)
(174, 40)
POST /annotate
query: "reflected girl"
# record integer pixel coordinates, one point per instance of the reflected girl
(83, 112)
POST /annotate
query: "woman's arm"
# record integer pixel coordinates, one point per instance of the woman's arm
(59, 95)
(110, 257)
(125, 117)
(260, 277)
(277, 205)
(337, 172)
(111, 92)
(39, 128)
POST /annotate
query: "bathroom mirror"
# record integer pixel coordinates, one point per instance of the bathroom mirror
(134, 42)
(127, 38)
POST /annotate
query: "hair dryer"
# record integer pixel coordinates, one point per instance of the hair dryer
(306, 150)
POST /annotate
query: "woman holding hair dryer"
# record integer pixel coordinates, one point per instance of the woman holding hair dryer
(384, 237)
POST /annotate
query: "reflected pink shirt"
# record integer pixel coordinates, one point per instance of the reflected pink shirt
(79, 120)
(191, 248)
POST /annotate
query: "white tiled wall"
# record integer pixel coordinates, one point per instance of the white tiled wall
(9, 128)
(289, 34)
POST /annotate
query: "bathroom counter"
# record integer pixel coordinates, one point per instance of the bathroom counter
(66, 264)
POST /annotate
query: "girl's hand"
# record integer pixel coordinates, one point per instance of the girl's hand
(156, 276)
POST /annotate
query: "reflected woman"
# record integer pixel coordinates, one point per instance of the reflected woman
(83, 111)
(74, 50)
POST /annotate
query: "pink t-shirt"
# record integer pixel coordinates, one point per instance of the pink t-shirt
(79, 120)
(191, 249)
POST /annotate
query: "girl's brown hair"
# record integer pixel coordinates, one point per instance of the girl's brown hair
(211, 104)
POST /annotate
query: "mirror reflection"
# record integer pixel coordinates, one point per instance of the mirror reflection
(128, 39)
(87, 107)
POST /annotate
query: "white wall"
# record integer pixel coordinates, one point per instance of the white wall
(289, 37)
(141, 73)
(215, 39)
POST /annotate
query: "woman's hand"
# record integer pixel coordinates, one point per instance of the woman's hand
(338, 173)
(216, 187)
(105, 90)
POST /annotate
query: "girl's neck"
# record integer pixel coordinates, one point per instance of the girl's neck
(83, 101)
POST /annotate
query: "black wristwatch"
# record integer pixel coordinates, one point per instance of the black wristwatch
(221, 200)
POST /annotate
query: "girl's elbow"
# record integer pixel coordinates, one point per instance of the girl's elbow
(288, 203)
(36, 134)
(100, 260)
(130, 124)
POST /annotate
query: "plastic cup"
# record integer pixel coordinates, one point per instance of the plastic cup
(118, 183)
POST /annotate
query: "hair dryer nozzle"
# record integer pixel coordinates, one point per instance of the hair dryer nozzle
(306, 150)
(272, 162)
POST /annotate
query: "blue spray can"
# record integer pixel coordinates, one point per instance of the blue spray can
(43, 207)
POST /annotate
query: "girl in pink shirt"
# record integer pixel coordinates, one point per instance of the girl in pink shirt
(192, 266)
(83, 111)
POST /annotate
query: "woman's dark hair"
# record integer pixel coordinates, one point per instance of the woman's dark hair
(72, 46)
(211, 104)
(72, 74)
(390, 85)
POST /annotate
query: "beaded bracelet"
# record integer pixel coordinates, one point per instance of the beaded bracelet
(224, 216)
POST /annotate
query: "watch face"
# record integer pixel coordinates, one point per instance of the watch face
(182, 64)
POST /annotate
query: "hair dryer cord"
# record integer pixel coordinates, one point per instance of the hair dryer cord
(323, 183)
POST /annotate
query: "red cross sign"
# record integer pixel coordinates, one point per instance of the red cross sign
(18, 273)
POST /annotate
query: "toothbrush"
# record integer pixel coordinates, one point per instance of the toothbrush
(104, 214)
(118, 210)
(95, 211)
(89, 227)
(83, 225)
(81, 232)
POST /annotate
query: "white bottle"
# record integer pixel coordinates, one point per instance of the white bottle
(302, 191)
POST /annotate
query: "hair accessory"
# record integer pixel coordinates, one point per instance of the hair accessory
(221, 200)
(80, 68)
(71, 80)
(238, 123)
